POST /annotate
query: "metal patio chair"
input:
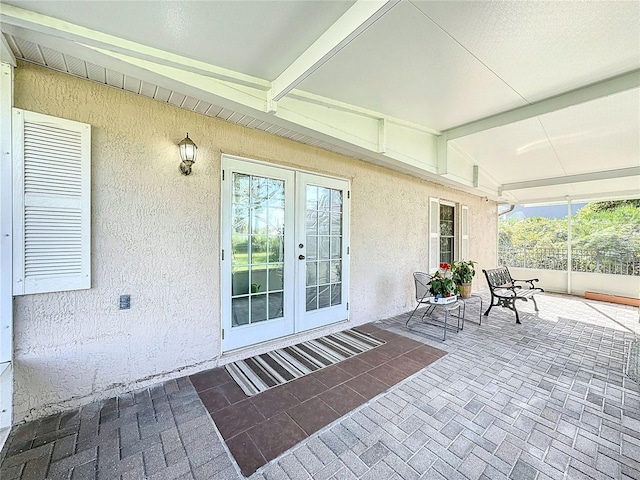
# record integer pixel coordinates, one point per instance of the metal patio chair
(423, 292)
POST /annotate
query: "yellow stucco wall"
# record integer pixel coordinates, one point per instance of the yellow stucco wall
(155, 235)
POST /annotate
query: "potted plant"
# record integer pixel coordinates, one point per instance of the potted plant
(442, 284)
(463, 273)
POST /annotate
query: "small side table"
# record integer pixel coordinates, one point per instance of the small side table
(472, 298)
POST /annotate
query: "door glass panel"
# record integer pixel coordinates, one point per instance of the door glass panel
(312, 247)
(258, 308)
(275, 249)
(259, 191)
(324, 243)
(312, 222)
(336, 247)
(257, 242)
(240, 275)
(324, 224)
(275, 305)
(336, 223)
(259, 220)
(336, 294)
(276, 274)
(324, 272)
(324, 199)
(240, 311)
(275, 221)
(336, 274)
(275, 194)
(336, 200)
(312, 198)
(241, 186)
(312, 299)
(312, 273)
(258, 279)
(258, 249)
(324, 297)
(240, 219)
(240, 248)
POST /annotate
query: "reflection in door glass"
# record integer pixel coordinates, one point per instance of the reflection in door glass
(258, 308)
(336, 294)
(324, 219)
(257, 247)
(275, 305)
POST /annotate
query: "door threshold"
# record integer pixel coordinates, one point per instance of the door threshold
(280, 342)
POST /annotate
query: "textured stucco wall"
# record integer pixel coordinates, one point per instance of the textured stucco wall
(155, 235)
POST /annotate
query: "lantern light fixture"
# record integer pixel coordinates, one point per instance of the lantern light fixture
(188, 151)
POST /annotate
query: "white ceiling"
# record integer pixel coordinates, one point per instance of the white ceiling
(258, 38)
(559, 81)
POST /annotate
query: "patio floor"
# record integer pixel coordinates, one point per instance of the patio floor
(547, 399)
(300, 408)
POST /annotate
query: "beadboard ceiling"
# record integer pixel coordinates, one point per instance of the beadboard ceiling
(523, 102)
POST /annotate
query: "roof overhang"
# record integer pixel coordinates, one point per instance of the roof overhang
(526, 142)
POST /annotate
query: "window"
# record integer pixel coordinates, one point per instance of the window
(448, 232)
(52, 204)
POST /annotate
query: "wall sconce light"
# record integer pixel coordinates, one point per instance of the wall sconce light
(188, 151)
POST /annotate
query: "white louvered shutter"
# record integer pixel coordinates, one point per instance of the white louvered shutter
(434, 234)
(464, 232)
(52, 203)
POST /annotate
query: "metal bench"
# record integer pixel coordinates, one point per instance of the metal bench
(505, 291)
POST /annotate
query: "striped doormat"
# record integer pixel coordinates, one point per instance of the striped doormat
(262, 372)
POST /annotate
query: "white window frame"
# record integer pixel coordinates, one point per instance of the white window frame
(6, 247)
(456, 241)
(461, 232)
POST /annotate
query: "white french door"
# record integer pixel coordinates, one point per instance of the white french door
(258, 269)
(285, 252)
(322, 239)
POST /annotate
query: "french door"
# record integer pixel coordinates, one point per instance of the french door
(285, 252)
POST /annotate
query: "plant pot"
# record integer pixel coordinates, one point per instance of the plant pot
(465, 290)
(443, 300)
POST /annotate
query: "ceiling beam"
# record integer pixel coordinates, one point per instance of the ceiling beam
(594, 91)
(356, 20)
(6, 55)
(406, 148)
(586, 197)
(583, 177)
(349, 108)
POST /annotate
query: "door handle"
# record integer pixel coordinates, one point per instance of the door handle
(301, 257)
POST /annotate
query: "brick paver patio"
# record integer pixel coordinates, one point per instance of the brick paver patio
(306, 405)
(547, 399)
